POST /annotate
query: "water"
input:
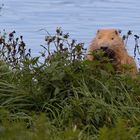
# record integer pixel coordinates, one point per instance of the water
(81, 18)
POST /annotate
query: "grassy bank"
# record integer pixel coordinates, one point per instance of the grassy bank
(61, 96)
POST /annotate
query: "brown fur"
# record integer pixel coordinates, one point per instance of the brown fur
(112, 39)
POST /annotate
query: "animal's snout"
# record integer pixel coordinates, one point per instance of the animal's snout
(104, 48)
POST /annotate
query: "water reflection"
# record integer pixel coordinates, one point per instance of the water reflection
(80, 18)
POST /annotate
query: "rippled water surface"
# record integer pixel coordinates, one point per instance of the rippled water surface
(79, 17)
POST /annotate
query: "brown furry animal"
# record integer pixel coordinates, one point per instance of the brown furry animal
(109, 40)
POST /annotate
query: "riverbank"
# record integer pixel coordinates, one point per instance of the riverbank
(59, 95)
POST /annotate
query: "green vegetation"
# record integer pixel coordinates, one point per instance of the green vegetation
(61, 96)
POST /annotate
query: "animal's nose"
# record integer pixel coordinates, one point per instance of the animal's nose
(104, 47)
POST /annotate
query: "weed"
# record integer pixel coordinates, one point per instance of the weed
(79, 99)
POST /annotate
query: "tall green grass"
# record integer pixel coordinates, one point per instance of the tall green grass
(60, 95)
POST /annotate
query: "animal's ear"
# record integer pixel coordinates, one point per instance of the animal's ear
(116, 32)
(98, 31)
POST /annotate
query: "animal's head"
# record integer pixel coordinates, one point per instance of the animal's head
(108, 39)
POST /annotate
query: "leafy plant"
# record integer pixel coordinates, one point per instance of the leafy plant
(80, 99)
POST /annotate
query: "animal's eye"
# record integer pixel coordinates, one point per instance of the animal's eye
(112, 38)
(99, 37)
